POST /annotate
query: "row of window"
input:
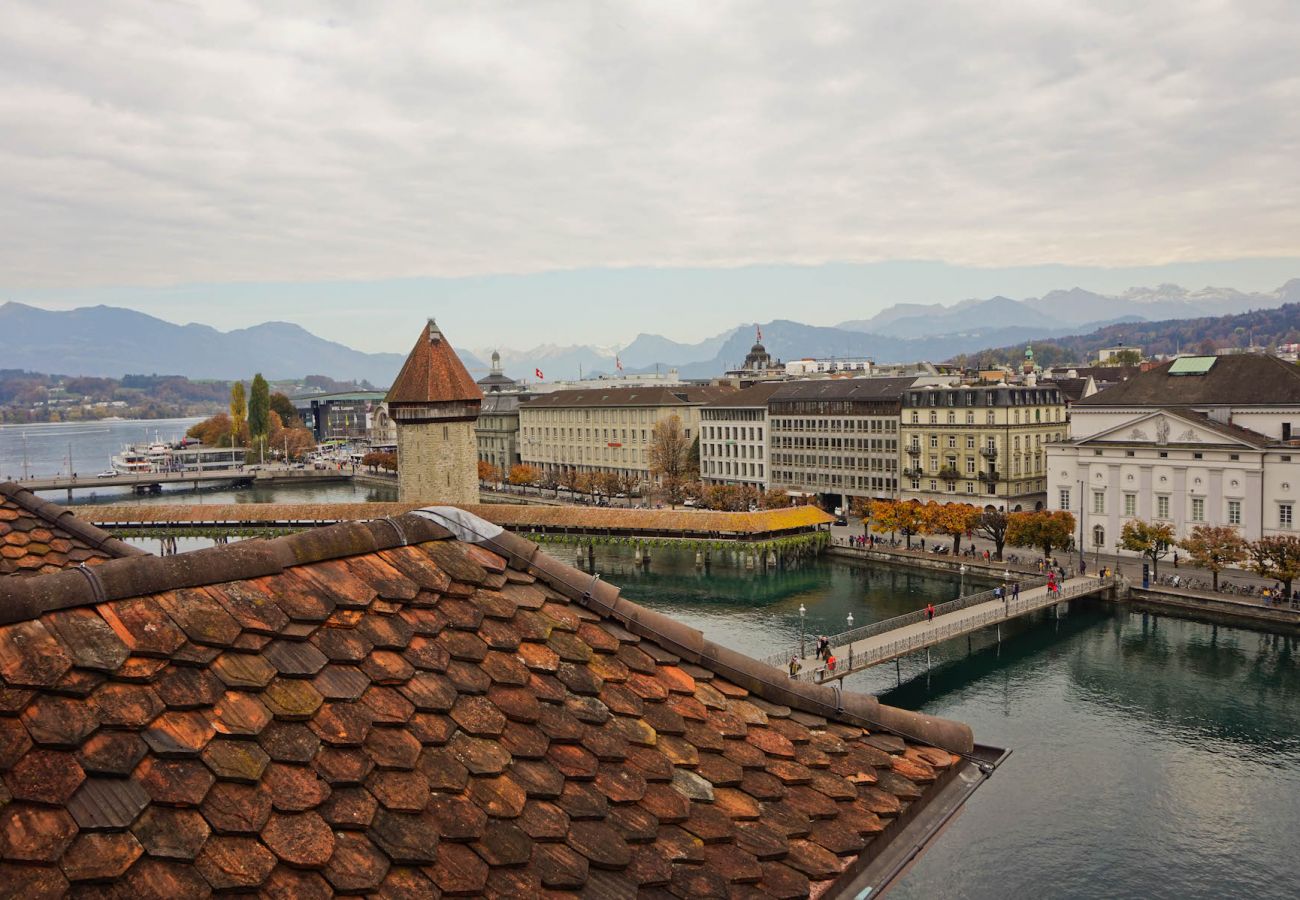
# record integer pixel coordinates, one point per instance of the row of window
(737, 469)
(811, 481)
(572, 435)
(815, 461)
(731, 432)
(746, 451)
(609, 416)
(1009, 396)
(1195, 512)
(876, 425)
(1053, 414)
(879, 445)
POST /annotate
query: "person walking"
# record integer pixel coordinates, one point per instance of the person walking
(830, 663)
(1015, 591)
(929, 612)
(1083, 567)
(794, 666)
(1175, 559)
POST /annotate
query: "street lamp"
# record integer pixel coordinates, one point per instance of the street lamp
(802, 612)
(850, 621)
(961, 588)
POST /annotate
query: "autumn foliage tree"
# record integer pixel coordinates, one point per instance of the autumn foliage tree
(1215, 547)
(487, 471)
(524, 475)
(238, 411)
(670, 457)
(1153, 540)
(898, 516)
(1045, 530)
(1277, 556)
(952, 519)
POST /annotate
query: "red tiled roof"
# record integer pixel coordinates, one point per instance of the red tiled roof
(379, 708)
(37, 536)
(433, 373)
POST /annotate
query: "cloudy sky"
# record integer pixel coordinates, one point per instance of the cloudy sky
(570, 172)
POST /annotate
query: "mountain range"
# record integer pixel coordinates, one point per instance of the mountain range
(110, 341)
(903, 332)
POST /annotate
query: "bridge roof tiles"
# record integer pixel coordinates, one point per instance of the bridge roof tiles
(378, 707)
(37, 536)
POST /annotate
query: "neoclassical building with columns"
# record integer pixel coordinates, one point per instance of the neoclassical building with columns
(1196, 441)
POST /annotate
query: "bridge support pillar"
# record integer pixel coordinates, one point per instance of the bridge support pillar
(898, 672)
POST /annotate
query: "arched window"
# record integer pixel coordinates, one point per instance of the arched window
(1098, 536)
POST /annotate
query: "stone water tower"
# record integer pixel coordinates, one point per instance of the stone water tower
(434, 403)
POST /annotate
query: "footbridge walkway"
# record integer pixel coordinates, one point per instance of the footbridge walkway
(890, 639)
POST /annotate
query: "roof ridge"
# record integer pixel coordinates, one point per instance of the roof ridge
(22, 599)
(62, 517)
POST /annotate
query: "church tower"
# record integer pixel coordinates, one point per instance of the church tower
(434, 403)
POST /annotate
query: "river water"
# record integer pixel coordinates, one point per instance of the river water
(1153, 757)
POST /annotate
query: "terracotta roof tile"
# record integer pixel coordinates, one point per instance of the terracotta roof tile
(433, 373)
(37, 536)
(385, 722)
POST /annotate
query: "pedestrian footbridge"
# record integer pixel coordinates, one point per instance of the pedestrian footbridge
(881, 642)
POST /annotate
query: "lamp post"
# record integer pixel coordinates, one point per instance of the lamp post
(961, 588)
(850, 621)
(1083, 508)
(802, 612)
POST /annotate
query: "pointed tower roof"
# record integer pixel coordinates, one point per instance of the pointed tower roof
(433, 373)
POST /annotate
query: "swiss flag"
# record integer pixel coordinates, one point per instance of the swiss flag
(538, 373)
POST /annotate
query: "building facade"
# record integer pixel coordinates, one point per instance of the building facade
(734, 438)
(497, 429)
(980, 444)
(607, 430)
(1195, 441)
(836, 438)
(434, 403)
(344, 416)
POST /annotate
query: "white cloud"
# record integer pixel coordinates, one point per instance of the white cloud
(216, 142)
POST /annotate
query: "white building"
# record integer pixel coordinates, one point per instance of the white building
(1208, 440)
(800, 368)
(733, 437)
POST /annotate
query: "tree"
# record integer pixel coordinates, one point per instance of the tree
(238, 409)
(774, 499)
(904, 516)
(567, 479)
(670, 457)
(953, 519)
(1128, 357)
(487, 471)
(259, 410)
(1153, 540)
(284, 408)
(1042, 530)
(1215, 547)
(1277, 556)
(992, 524)
(524, 475)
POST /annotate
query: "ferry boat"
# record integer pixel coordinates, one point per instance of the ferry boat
(183, 457)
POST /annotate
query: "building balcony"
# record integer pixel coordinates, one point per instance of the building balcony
(989, 477)
(989, 453)
(912, 473)
(949, 474)
(913, 451)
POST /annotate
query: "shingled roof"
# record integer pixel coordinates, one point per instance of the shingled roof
(1245, 379)
(384, 708)
(433, 373)
(37, 536)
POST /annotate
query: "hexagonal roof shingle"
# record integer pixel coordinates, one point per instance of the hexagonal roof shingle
(379, 707)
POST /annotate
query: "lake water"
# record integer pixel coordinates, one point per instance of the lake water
(42, 450)
(1153, 757)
